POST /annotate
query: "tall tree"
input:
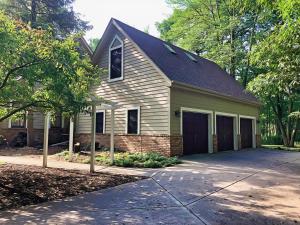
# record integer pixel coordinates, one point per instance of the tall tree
(57, 14)
(93, 43)
(278, 56)
(223, 31)
(39, 71)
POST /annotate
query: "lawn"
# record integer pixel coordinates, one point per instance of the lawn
(22, 185)
(123, 159)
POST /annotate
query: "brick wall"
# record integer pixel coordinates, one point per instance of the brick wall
(239, 141)
(55, 136)
(163, 144)
(11, 133)
(258, 141)
(176, 145)
(215, 143)
(36, 135)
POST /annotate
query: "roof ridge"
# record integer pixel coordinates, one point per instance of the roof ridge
(166, 42)
(206, 75)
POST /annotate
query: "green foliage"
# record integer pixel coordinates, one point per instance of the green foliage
(93, 43)
(145, 160)
(56, 14)
(278, 57)
(38, 71)
(126, 159)
(223, 31)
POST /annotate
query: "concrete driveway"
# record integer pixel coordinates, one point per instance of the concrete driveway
(243, 187)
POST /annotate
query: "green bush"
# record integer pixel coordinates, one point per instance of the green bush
(125, 159)
(271, 140)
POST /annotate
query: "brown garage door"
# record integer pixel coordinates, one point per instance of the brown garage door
(195, 133)
(246, 133)
(225, 133)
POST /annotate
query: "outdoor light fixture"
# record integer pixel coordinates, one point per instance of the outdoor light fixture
(177, 113)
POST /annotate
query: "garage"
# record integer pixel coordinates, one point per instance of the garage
(225, 133)
(195, 133)
(246, 133)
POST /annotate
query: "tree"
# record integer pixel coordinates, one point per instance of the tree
(93, 43)
(39, 71)
(278, 56)
(57, 14)
(223, 31)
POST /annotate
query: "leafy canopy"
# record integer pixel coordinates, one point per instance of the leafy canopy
(278, 56)
(57, 14)
(38, 71)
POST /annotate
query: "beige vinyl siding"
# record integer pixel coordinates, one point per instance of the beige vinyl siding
(184, 98)
(142, 86)
(4, 124)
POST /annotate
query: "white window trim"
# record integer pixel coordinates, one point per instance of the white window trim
(104, 119)
(138, 108)
(254, 131)
(9, 123)
(235, 126)
(210, 124)
(122, 58)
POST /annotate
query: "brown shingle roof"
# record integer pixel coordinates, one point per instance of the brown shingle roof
(203, 74)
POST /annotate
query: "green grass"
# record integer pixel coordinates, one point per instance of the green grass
(2, 163)
(281, 147)
(125, 159)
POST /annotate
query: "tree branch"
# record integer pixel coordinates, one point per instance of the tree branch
(9, 73)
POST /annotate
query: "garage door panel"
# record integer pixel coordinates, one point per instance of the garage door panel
(246, 133)
(225, 134)
(195, 133)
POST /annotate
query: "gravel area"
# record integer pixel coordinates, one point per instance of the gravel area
(22, 185)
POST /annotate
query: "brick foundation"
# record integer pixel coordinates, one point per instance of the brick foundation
(36, 136)
(215, 143)
(239, 141)
(163, 144)
(258, 141)
(11, 133)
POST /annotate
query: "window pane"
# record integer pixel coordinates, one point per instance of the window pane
(116, 63)
(99, 122)
(18, 123)
(132, 127)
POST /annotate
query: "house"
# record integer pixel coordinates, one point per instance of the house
(173, 101)
(31, 124)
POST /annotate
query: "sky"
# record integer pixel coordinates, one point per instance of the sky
(141, 14)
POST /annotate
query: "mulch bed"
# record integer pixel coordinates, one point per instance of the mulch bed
(22, 185)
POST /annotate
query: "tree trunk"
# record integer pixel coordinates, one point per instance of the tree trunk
(33, 14)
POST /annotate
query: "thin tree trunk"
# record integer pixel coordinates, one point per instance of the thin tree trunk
(33, 13)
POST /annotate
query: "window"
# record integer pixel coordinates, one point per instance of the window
(18, 122)
(191, 57)
(133, 121)
(100, 125)
(170, 49)
(116, 60)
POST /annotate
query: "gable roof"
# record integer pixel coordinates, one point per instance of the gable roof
(179, 68)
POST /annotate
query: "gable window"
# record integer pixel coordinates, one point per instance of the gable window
(116, 60)
(100, 122)
(133, 121)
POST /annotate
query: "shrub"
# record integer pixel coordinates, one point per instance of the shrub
(125, 159)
